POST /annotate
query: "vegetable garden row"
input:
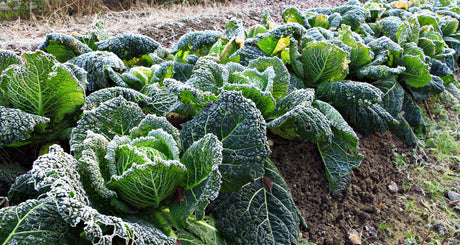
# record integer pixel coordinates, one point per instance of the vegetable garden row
(323, 75)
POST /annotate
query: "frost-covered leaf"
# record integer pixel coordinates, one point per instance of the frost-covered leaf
(240, 126)
(360, 53)
(417, 73)
(113, 117)
(33, 222)
(63, 47)
(387, 48)
(95, 99)
(377, 72)
(349, 93)
(57, 174)
(448, 25)
(339, 158)
(16, 125)
(320, 62)
(293, 15)
(352, 15)
(202, 179)
(255, 215)
(367, 119)
(42, 86)
(95, 63)
(128, 46)
(208, 76)
(435, 86)
(389, 27)
(281, 80)
(199, 43)
(307, 122)
(8, 58)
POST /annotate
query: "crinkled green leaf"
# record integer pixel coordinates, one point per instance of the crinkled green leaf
(208, 75)
(349, 93)
(386, 47)
(16, 125)
(377, 72)
(367, 119)
(64, 47)
(318, 20)
(297, 97)
(95, 99)
(197, 233)
(352, 15)
(33, 222)
(441, 70)
(293, 15)
(42, 86)
(435, 86)
(128, 46)
(336, 120)
(389, 27)
(360, 54)
(198, 43)
(392, 102)
(8, 58)
(95, 63)
(428, 46)
(202, 180)
(258, 214)
(340, 157)
(57, 174)
(263, 100)
(307, 122)
(320, 62)
(189, 95)
(413, 114)
(281, 80)
(408, 31)
(148, 180)
(417, 73)
(240, 126)
(448, 25)
(161, 101)
(116, 116)
(428, 18)
(234, 29)
(22, 189)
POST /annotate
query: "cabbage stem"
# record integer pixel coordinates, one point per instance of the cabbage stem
(161, 220)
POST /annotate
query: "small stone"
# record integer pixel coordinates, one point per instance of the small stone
(371, 230)
(393, 187)
(354, 237)
(453, 196)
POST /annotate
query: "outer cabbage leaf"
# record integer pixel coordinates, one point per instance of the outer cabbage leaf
(95, 99)
(368, 119)
(392, 101)
(16, 125)
(339, 158)
(257, 214)
(95, 63)
(57, 174)
(113, 117)
(263, 100)
(33, 222)
(199, 234)
(293, 15)
(320, 62)
(64, 47)
(377, 72)
(240, 126)
(282, 78)
(441, 70)
(349, 93)
(208, 76)
(8, 58)
(307, 122)
(417, 73)
(352, 15)
(435, 86)
(128, 46)
(297, 97)
(408, 31)
(161, 101)
(234, 29)
(198, 43)
(202, 179)
(448, 25)
(386, 47)
(195, 98)
(42, 86)
(336, 120)
(360, 54)
(389, 27)
(413, 114)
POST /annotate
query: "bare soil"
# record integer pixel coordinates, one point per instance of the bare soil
(362, 213)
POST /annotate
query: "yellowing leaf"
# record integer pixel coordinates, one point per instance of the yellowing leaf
(399, 5)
